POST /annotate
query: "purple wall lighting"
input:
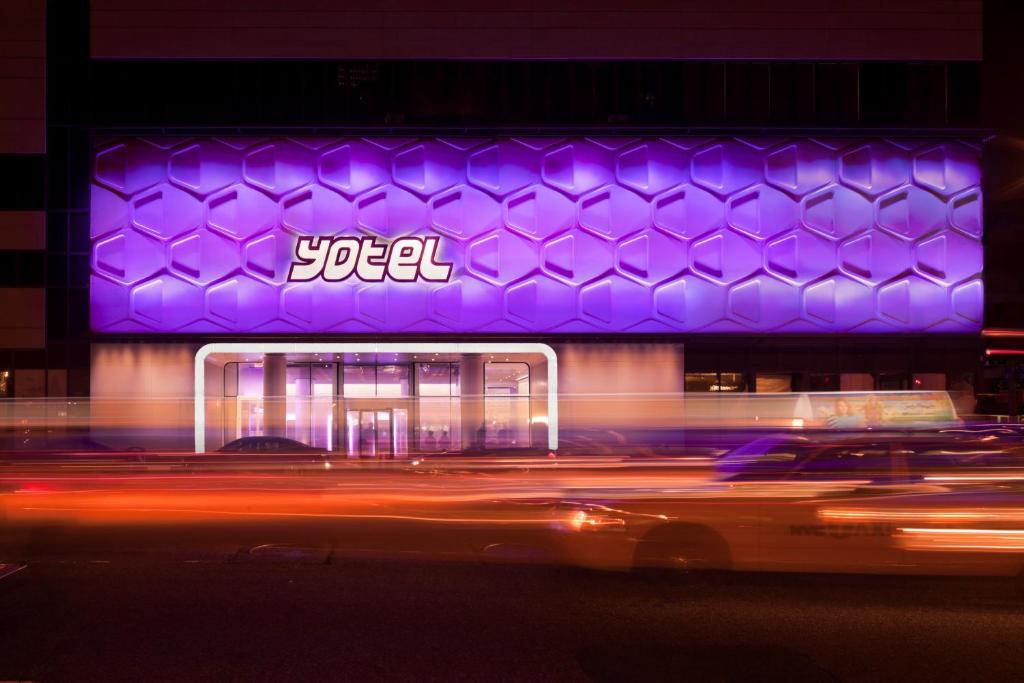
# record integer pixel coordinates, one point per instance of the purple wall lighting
(535, 235)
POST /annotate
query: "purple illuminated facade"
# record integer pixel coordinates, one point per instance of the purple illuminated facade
(544, 236)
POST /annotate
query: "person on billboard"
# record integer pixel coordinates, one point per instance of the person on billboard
(843, 417)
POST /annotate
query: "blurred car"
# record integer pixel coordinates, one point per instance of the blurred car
(881, 503)
(267, 444)
(883, 458)
(263, 451)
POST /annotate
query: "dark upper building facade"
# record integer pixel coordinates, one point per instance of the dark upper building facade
(80, 76)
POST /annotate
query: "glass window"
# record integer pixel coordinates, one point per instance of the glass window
(822, 382)
(506, 379)
(434, 379)
(250, 380)
(392, 381)
(774, 384)
(230, 379)
(892, 381)
(715, 381)
(360, 381)
(323, 379)
(439, 427)
(297, 421)
(507, 405)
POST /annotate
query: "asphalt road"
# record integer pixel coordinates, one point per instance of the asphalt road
(295, 614)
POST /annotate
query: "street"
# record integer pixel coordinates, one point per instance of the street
(303, 614)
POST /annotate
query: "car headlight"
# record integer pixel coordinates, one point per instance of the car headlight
(589, 520)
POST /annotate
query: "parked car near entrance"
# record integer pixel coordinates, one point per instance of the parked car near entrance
(267, 444)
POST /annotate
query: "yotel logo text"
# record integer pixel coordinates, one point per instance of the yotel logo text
(405, 259)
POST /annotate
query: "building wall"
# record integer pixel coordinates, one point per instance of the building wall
(96, 81)
(535, 29)
(22, 218)
(142, 392)
(619, 385)
(22, 83)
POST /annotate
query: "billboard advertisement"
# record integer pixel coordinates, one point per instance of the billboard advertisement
(534, 235)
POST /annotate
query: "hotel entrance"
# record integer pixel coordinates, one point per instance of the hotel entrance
(377, 433)
(369, 404)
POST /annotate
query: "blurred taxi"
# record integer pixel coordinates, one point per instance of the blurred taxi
(877, 503)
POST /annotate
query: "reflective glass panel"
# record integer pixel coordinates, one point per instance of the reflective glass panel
(360, 381)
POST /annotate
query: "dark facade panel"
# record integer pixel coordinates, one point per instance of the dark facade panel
(598, 29)
(568, 94)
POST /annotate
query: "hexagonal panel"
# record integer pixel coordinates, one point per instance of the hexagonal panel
(726, 167)
(875, 168)
(315, 210)
(205, 166)
(318, 305)
(800, 167)
(913, 302)
(874, 256)
(838, 299)
(241, 303)
(540, 212)
(279, 167)
(762, 212)
(762, 302)
(166, 211)
(651, 256)
(948, 256)
(504, 167)
(108, 212)
(799, 256)
(390, 211)
(577, 257)
(969, 302)
(108, 305)
(501, 257)
(165, 303)
(129, 166)
(614, 302)
(354, 167)
(688, 211)
(466, 303)
(464, 212)
(725, 256)
(269, 256)
(241, 212)
(541, 302)
(947, 168)
(652, 167)
(837, 212)
(911, 212)
(127, 256)
(614, 212)
(392, 305)
(428, 168)
(703, 303)
(965, 212)
(577, 168)
(203, 256)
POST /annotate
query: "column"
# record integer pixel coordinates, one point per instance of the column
(275, 379)
(471, 380)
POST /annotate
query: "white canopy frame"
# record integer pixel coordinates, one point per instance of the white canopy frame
(357, 347)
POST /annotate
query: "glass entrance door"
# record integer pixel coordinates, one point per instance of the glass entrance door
(376, 433)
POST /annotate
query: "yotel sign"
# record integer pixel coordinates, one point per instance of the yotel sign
(406, 259)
